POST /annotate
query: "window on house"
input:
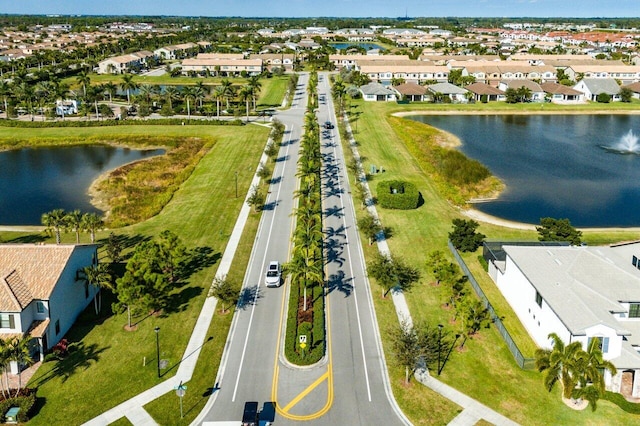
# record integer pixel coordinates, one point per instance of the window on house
(634, 261)
(538, 299)
(7, 321)
(57, 327)
(40, 307)
(603, 343)
(634, 310)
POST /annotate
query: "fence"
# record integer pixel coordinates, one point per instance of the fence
(524, 363)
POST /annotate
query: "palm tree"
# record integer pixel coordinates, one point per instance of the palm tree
(128, 85)
(84, 80)
(171, 93)
(245, 94)
(146, 93)
(591, 364)
(5, 92)
(4, 366)
(19, 351)
(110, 89)
(99, 276)
(218, 94)
(254, 83)
(200, 92)
(74, 221)
(227, 90)
(56, 220)
(188, 93)
(559, 363)
(92, 222)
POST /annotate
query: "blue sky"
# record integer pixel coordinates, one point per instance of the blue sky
(341, 8)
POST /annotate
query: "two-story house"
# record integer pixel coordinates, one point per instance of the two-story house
(42, 291)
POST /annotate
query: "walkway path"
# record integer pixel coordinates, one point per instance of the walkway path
(133, 408)
(473, 410)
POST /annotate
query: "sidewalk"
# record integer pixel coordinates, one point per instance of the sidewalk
(473, 410)
(133, 409)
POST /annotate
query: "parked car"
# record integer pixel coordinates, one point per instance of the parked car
(250, 414)
(273, 276)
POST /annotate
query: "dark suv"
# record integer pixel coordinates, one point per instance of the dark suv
(250, 414)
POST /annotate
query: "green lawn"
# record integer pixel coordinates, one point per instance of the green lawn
(485, 369)
(202, 213)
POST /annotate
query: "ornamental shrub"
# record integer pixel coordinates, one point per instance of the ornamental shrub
(397, 194)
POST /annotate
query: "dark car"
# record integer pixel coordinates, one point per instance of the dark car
(250, 414)
(328, 125)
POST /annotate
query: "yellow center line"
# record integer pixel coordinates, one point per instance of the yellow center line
(305, 392)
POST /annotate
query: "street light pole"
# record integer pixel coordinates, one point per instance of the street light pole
(236, 184)
(157, 330)
(439, 345)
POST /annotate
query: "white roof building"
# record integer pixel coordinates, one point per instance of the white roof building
(579, 293)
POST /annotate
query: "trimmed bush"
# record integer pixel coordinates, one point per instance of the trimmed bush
(25, 400)
(620, 401)
(398, 194)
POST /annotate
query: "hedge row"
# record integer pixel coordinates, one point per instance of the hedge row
(620, 401)
(108, 123)
(398, 194)
(25, 400)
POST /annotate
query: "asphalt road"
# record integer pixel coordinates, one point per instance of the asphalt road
(350, 385)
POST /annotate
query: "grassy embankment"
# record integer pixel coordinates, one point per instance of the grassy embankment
(109, 355)
(485, 370)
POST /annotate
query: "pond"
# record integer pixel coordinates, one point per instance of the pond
(367, 46)
(582, 167)
(34, 181)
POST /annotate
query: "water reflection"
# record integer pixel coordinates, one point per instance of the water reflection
(554, 165)
(36, 180)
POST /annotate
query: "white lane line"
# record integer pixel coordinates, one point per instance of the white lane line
(255, 297)
(355, 294)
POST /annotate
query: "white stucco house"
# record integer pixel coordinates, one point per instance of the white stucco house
(42, 291)
(592, 87)
(377, 92)
(579, 293)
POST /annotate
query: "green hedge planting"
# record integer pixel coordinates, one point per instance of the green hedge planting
(25, 400)
(620, 401)
(398, 194)
(108, 123)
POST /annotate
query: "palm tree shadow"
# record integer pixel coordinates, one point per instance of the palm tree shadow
(80, 358)
(29, 239)
(339, 283)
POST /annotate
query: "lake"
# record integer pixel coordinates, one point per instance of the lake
(582, 167)
(34, 181)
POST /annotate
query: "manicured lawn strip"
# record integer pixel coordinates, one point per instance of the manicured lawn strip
(202, 213)
(166, 408)
(486, 369)
(420, 404)
(272, 91)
